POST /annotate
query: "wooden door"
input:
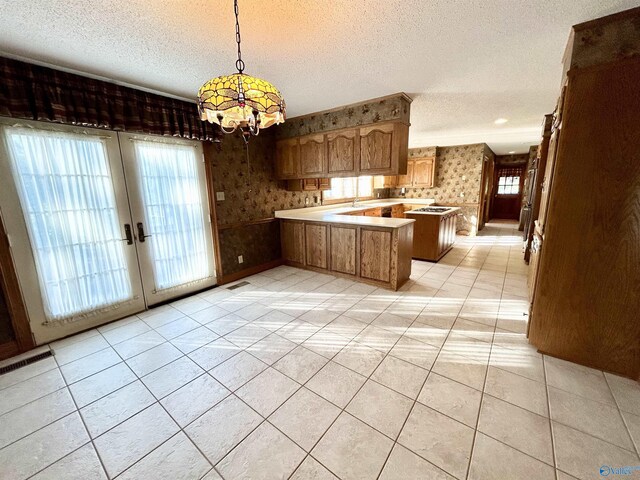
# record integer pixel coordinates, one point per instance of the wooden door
(507, 196)
(316, 245)
(343, 152)
(292, 237)
(423, 172)
(287, 158)
(312, 156)
(344, 249)
(548, 178)
(407, 180)
(376, 148)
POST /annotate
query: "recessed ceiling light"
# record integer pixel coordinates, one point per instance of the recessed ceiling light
(512, 152)
(501, 121)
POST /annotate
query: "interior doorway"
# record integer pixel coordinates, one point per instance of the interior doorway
(507, 192)
(102, 225)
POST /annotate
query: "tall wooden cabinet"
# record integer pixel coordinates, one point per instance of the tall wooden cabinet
(421, 172)
(586, 291)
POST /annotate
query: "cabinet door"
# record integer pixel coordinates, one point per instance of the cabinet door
(390, 181)
(343, 152)
(312, 156)
(548, 178)
(316, 248)
(288, 159)
(407, 180)
(292, 240)
(397, 211)
(423, 172)
(324, 184)
(376, 149)
(375, 254)
(344, 249)
(310, 184)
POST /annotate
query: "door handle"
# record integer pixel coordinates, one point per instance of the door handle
(128, 234)
(141, 235)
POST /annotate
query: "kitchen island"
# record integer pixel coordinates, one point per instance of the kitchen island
(434, 231)
(344, 240)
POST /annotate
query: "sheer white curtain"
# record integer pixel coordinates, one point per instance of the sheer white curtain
(349, 187)
(174, 212)
(67, 197)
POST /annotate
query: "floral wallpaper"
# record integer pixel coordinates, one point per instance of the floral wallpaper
(506, 160)
(396, 107)
(458, 177)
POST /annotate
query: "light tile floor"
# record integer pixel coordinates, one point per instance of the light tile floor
(306, 376)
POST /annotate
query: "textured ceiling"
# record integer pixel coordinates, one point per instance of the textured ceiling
(464, 62)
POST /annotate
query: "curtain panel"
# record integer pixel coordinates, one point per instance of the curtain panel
(33, 92)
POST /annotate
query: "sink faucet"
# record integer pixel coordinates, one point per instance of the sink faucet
(355, 200)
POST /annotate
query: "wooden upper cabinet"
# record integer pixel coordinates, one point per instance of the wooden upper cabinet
(343, 152)
(424, 170)
(313, 156)
(407, 180)
(288, 158)
(376, 148)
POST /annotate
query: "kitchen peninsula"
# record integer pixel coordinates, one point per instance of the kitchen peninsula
(344, 239)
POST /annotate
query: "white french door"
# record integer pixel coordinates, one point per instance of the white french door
(99, 232)
(168, 191)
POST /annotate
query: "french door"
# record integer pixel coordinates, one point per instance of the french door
(99, 232)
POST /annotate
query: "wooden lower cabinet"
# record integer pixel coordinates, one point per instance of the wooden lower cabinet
(316, 245)
(434, 235)
(344, 249)
(375, 255)
(292, 241)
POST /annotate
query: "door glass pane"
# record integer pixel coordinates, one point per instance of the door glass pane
(174, 213)
(67, 197)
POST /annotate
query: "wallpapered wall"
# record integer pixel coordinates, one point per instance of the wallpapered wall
(512, 160)
(452, 164)
(249, 198)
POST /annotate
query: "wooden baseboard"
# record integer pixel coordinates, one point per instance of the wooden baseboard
(9, 349)
(232, 277)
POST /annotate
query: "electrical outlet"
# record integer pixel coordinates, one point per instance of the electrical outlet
(240, 259)
(220, 196)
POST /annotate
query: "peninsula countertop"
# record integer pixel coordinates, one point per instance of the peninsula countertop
(338, 213)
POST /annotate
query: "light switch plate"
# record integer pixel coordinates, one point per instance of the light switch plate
(240, 259)
(220, 196)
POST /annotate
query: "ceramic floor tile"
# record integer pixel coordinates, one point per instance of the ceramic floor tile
(319, 316)
(28, 371)
(208, 314)
(404, 465)
(346, 327)
(153, 359)
(192, 400)
(392, 322)
(517, 390)
(298, 331)
(310, 469)
(80, 349)
(196, 338)
(253, 311)
(83, 464)
(301, 364)
(137, 345)
(42, 448)
(24, 420)
(103, 383)
(214, 353)
(115, 408)
(336, 449)
(157, 317)
(177, 327)
(454, 399)
(380, 407)
(271, 349)
(127, 443)
(191, 305)
(336, 383)
(89, 365)
(175, 459)
(400, 376)
(125, 332)
(378, 338)
(429, 334)
(359, 357)
(325, 343)
(227, 324)
(626, 393)
(238, 370)
(524, 363)
(595, 418)
(305, 417)
(273, 320)
(265, 454)
(166, 379)
(582, 455)
(29, 390)
(493, 460)
(247, 335)
(439, 439)
(578, 380)
(415, 352)
(267, 391)
(467, 370)
(222, 428)
(633, 425)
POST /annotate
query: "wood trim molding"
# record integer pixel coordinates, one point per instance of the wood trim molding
(229, 226)
(208, 150)
(13, 295)
(232, 277)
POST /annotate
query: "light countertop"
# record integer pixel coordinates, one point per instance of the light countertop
(450, 210)
(336, 213)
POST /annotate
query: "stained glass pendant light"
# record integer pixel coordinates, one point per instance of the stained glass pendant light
(240, 101)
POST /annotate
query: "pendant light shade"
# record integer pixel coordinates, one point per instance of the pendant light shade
(239, 100)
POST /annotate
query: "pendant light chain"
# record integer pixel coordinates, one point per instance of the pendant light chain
(239, 62)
